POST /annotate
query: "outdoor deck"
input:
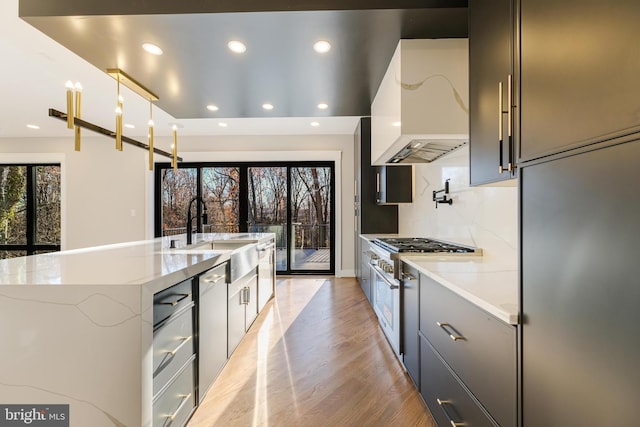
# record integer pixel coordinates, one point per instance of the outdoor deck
(304, 259)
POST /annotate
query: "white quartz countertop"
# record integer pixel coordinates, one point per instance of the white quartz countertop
(131, 263)
(489, 284)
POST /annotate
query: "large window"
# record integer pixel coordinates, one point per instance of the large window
(291, 199)
(29, 209)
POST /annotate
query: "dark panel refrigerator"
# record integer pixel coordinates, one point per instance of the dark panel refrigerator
(580, 289)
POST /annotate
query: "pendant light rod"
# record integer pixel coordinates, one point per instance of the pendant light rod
(106, 132)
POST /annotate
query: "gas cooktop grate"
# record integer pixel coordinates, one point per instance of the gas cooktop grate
(422, 245)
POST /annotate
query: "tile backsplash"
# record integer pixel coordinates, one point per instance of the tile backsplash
(485, 217)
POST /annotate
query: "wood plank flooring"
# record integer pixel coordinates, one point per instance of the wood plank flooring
(314, 357)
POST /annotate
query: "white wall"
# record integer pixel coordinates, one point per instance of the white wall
(102, 187)
(103, 190)
(486, 217)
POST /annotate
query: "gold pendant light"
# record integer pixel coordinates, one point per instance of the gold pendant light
(78, 114)
(150, 134)
(119, 118)
(174, 148)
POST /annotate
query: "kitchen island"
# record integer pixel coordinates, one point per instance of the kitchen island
(78, 326)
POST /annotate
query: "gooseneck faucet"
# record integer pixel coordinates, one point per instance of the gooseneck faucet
(442, 199)
(190, 219)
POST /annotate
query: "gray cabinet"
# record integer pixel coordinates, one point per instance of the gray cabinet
(394, 184)
(578, 73)
(580, 293)
(371, 218)
(446, 397)
(242, 308)
(266, 272)
(365, 269)
(410, 310)
(491, 48)
(477, 348)
(212, 326)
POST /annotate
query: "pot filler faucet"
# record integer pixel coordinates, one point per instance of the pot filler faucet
(190, 219)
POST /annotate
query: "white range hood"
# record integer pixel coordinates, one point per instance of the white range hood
(420, 111)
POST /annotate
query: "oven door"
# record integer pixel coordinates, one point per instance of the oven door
(386, 303)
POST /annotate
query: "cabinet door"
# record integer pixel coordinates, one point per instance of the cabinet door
(580, 291)
(579, 73)
(251, 301)
(236, 315)
(371, 218)
(212, 327)
(410, 309)
(394, 184)
(490, 62)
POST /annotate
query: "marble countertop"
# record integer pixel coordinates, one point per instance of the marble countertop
(131, 263)
(487, 282)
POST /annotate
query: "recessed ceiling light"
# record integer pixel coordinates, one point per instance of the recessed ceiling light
(315, 124)
(152, 48)
(33, 126)
(129, 126)
(322, 46)
(222, 124)
(237, 46)
(323, 106)
(267, 106)
(212, 107)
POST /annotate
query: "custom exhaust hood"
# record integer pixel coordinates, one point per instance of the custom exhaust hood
(420, 112)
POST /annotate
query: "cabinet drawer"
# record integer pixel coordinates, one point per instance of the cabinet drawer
(211, 278)
(172, 347)
(175, 404)
(447, 400)
(479, 348)
(171, 300)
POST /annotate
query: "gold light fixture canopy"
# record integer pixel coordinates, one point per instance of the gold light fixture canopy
(132, 84)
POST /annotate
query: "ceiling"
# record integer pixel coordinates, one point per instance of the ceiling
(280, 67)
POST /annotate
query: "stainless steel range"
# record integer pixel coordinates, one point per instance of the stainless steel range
(384, 255)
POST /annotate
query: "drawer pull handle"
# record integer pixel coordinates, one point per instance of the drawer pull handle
(176, 302)
(453, 336)
(442, 404)
(185, 399)
(183, 340)
(408, 276)
(218, 277)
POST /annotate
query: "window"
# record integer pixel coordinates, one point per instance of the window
(29, 209)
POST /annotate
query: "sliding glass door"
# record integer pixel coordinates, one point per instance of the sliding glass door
(310, 231)
(268, 202)
(293, 200)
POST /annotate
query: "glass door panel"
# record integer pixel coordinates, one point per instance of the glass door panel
(13, 206)
(267, 193)
(48, 208)
(178, 188)
(221, 193)
(311, 219)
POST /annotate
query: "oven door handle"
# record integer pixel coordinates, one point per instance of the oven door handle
(391, 285)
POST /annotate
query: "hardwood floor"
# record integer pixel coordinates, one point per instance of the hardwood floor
(314, 357)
